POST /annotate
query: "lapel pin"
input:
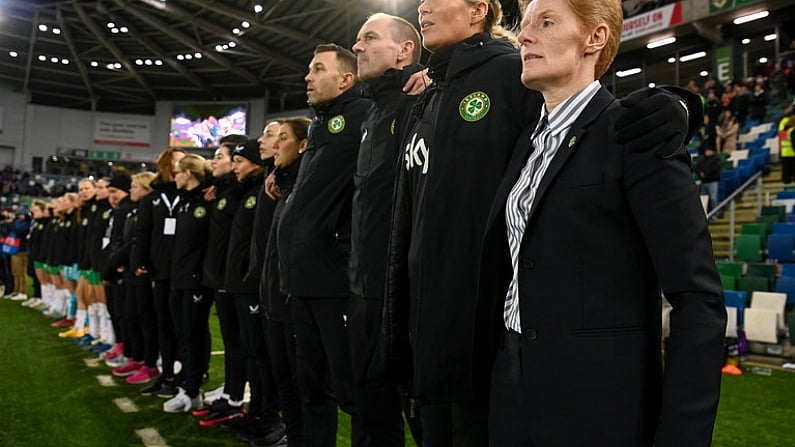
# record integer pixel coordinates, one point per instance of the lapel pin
(572, 142)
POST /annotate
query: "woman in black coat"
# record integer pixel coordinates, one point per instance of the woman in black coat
(190, 302)
(290, 145)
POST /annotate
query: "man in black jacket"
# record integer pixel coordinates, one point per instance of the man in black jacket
(387, 49)
(314, 245)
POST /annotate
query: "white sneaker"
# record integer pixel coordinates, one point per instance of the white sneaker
(19, 297)
(10, 295)
(212, 396)
(117, 361)
(182, 403)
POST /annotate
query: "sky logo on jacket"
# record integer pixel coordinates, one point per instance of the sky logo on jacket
(417, 154)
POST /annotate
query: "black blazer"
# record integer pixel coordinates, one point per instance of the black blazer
(608, 229)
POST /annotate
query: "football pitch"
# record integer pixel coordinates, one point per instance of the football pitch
(55, 394)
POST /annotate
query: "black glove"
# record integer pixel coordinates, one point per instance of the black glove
(653, 119)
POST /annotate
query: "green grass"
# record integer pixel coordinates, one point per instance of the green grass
(50, 397)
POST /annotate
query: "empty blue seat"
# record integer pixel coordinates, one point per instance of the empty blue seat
(780, 246)
(788, 270)
(786, 195)
(786, 284)
(784, 228)
(738, 299)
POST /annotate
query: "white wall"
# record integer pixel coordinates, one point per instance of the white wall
(39, 131)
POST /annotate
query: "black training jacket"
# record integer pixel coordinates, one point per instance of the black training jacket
(272, 299)
(113, 251)
(227, 198)
(153, 247)
(464, 129)
(190, 242)
(314, 230)
(238, 259)
(263, 218)
(36, 239)
(374, 182)
(100, 212)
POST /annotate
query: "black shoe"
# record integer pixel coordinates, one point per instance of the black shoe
(276, 435)
(241, 424)
(154, 387)
(169, 389)
(264, 434)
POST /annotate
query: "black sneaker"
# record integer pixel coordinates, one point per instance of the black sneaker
(154, 387)
(276, 436)
(241, 424)
(169, 389)
(222, 415)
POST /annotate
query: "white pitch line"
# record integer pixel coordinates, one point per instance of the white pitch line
(92, 362)
(125, 405)
(151, 437)
(217, 353)
(106, 381)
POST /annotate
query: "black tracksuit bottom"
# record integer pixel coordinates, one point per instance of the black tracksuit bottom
(190, 310)
(165, 326)
(281, 349)
(139, 316)
(325, 374)
(264, 400)
(234, 357)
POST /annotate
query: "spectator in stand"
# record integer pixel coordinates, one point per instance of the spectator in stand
(778, 83)
(727, 133)
(785, 131)
(759, 101)
(742, 102)
(708, 170)
(712, 106)
(709, 135)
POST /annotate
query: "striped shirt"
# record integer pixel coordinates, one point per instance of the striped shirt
(546, 139)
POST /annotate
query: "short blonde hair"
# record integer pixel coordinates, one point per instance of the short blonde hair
(195, 164)
(144, 179)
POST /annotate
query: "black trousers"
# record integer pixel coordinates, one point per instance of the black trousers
(141, 320)
(459, 424)
(234, 357)
(191, 312)
(281, 348)
(264, 400)
(134, 346)
(787, 169)
(378, 401)
(165, 326)
(323, 364)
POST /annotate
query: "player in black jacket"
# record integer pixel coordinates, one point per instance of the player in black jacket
(226, 192)
(291, 142)
(190, 302)
(314, 244)
(387, 48)
(113, 320)
(151, 255)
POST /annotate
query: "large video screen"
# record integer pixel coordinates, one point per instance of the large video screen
(203, 125)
